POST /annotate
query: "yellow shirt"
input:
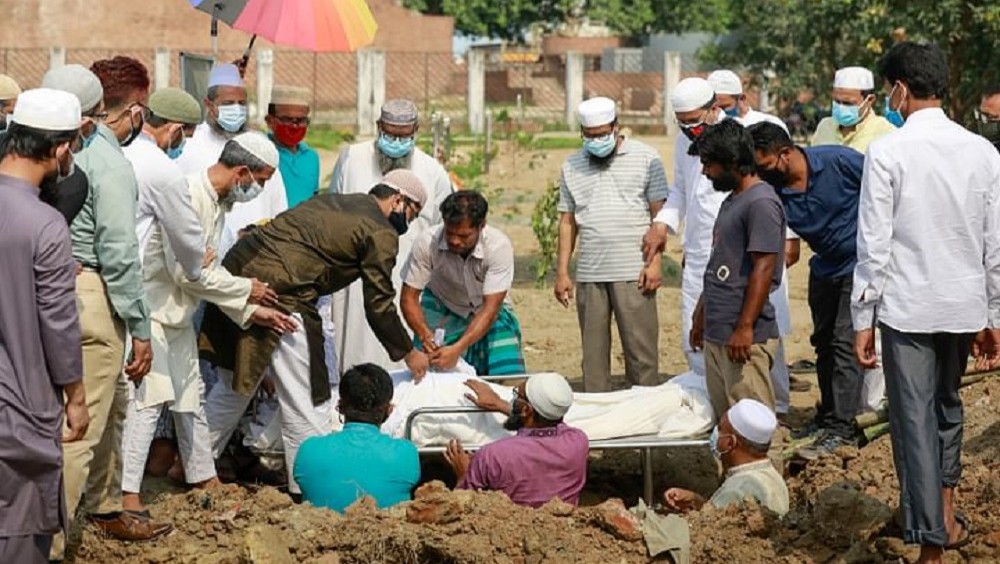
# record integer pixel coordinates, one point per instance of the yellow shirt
(867, 130)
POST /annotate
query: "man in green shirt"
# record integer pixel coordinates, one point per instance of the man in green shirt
(109, 290)
(288, 120)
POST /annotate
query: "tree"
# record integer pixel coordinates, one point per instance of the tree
(509, 19)
(804, 41)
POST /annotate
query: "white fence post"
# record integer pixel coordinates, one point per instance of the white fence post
(265, 81)
(477, 91)
(574, 87)
(57, 57)
(161, 69)
(671, 76)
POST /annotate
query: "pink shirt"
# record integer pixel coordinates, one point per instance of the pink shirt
(533, 466)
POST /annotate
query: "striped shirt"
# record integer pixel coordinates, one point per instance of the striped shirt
(611, 207)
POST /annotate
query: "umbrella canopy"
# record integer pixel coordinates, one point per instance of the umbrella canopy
(313, 25)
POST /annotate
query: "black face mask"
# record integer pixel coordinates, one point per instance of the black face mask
(398, 220)
(774, 177)
(727, 182)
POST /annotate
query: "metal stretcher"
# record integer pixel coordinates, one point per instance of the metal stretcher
(643, 443)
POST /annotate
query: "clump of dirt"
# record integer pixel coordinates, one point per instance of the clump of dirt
(233, 525)
(842, 510)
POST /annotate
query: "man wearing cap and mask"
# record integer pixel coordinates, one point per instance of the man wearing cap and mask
(9, 90)
(740, 442)
(72, 191)
(111, 300)
(853, 121)
(608, 191)
(988, 115)
(729, 94)
(41, 366)
(225, 117)
(694, 203)
(246, 162)
(171, 116)
(546, 458)
(312, 250)
(358, 168)
(288, 120)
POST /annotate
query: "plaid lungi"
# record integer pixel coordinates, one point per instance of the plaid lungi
(496, 354)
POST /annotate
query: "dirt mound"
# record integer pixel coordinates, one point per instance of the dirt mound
(235, 525)
(842, 510)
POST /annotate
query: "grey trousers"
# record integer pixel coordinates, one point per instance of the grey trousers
(27, 549)
(922, 375)
(638, 325)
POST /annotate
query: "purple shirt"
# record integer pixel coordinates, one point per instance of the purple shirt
(39, 353)
(533, 466)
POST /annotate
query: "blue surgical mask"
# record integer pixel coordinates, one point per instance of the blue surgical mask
(733, 112)
(895, 117)
(232, 117)
(846, 115)
(245, 192)
(175, 152)
(601, 146)
(89, 139)
(395, 147)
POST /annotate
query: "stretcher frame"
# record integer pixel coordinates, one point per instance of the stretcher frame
(643, 443)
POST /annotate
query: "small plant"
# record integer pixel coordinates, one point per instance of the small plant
(545, 224)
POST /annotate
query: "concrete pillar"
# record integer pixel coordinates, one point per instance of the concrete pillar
(57, 57)
(574, 87)
(371, 89)
(161, 68)
(265, 81)
(476, 61)
(671, 76)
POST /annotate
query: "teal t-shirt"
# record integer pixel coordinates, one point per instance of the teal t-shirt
(336, 470)
(299, 171)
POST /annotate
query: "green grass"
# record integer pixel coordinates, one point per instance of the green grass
(321, 137)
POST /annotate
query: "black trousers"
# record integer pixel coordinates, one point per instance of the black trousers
(840, 377)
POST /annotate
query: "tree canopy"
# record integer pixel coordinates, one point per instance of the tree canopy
(802, 42)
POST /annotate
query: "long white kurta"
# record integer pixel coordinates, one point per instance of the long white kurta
(357, 172)
(173, 300)
(696, 204)
(203, 150)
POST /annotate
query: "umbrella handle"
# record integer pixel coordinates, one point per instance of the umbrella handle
(245, 60)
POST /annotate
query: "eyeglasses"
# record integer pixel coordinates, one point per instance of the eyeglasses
(417, 208)
(297, 122)
(985, 118)
(694, 124)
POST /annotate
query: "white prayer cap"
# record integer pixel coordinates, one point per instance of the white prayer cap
(726, 82)
(549, 394)
(691, 94)
(78, 80)
(407, 184)
(47, 109)
(258, 145)
(753, 420)
(8, 88)
(854, 78)
(596, 112)
(225, 75)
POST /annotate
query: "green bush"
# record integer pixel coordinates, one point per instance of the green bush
(545, 224)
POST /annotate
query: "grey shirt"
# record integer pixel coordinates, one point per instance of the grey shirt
(750, 222)
(39, 353)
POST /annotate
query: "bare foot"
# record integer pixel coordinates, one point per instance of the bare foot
(208, 484)
(176, 472)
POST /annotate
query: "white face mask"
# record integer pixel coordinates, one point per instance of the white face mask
(245, 192)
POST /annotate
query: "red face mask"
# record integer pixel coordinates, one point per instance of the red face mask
(289, 135)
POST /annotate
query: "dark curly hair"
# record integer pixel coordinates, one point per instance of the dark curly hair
(121, 77)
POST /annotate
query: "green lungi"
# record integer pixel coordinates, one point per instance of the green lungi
(498, 353)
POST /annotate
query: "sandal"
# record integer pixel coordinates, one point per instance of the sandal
(966, 536)
(803, 366)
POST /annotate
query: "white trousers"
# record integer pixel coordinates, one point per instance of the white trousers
(300, 419)
(692, 282)
(193, 442)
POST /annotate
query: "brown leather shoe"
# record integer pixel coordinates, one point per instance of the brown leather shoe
(131, 527)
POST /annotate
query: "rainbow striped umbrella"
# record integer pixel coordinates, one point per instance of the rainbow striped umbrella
(313, 25)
